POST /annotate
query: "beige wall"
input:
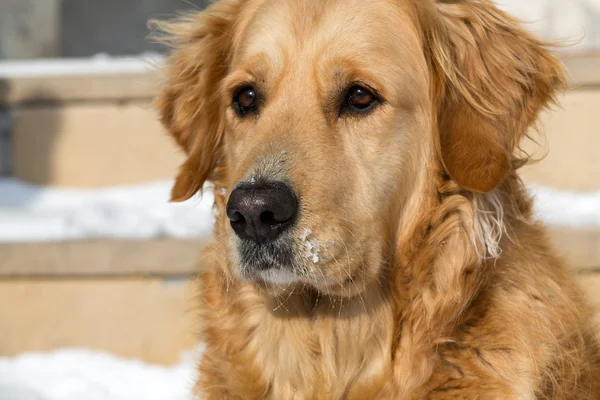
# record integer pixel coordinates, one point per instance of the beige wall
(141, 318)
(570, 142)
(91, 145)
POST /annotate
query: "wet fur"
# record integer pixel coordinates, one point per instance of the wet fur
(460, 296)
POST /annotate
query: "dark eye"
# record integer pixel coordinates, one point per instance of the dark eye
(360, 100)
(245, 101)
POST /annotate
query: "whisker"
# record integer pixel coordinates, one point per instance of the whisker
(358, 292)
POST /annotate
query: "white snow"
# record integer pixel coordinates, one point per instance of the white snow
(312, 248)
(35, 213)
(73, 374)
(560, 208)
(100, 64)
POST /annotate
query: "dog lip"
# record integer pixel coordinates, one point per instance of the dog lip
(263, 256)
(277, 276)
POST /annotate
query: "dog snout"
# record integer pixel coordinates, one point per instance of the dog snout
(261, 212)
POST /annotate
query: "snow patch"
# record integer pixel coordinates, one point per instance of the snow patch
(72, 374)
(100, 64)
(312, 249)
(36, 213)
(566, 209)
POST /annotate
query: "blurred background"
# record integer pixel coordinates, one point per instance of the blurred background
(96, 265)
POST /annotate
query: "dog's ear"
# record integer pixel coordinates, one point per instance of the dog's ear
(491, 78)
(188, 104)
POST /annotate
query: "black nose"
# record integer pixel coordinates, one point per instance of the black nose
(261, 212)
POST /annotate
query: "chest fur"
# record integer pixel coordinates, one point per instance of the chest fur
(335, 352)
(326, 358)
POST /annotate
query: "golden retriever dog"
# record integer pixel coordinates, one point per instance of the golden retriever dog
(373, 238)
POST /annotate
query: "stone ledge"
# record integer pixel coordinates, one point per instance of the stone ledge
(101, 258)
(76, 80)
(148, 319)
(92, 145)
(583, 68)
(581, 248)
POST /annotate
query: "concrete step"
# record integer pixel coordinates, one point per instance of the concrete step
(91, 145)
(147, 318)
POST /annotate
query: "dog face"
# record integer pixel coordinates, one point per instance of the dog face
(319, 117)
(322, 123)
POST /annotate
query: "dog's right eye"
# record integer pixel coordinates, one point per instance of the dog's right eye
(245, 101)
(359, 100)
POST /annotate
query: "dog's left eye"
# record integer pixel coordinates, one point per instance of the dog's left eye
(245, 101)
(359, 100)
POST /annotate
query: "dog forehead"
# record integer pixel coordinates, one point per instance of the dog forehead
(287, 31)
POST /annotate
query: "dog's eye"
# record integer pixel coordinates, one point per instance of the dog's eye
(360, 99)
(245, 101)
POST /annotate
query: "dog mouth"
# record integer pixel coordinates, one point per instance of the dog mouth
(271, 262)
(297, 258)
(275, 264)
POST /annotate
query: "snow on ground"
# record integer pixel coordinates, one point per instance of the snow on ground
(72, 374)
(100, 64)
(35, 213)
(565, 209)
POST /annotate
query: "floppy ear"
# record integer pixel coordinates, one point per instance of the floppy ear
(491, 80)
(188, 104)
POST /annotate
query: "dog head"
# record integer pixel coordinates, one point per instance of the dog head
(324, 124)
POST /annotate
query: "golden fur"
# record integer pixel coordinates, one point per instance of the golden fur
(421, 273)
